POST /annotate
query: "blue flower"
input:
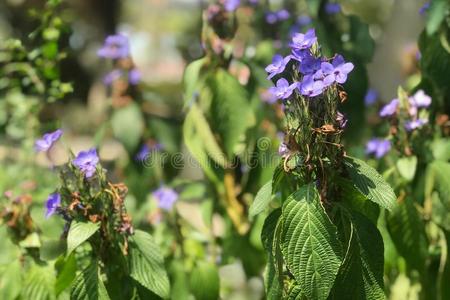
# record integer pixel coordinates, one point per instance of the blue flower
(424, 8)
(86, 162)
(231, 5)
(332, 8)
(370, 97)
(337, 71)
(378, 147)
(302, 41)
(282, 90)
(115, 47)
(309, 64)
(166, 197)
(47, 141)
(146, 150)
(311, 88)
(304, 20)
(389, 109)
(414, 124)
(277, 66)
(282, 15)
(52, 204)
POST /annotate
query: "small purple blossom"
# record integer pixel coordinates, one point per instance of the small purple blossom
(134, 76)
(341, 120)
(166, 197)
(86, 162)
(271, 17)
(332, 8)
(231, 5)
(47, 141)
(378, 147)
(52, 204)
(282, 90)
(283, 150)
(304, 41)
(420, 99)
(311, 88)
(282, 15)
(309, 64)
(337, 70)
(277, 66)
(414, 124)
(115, 47)
(424, 8)
(145, 151)
(389, 109)
(112, 76)
(304, 20)
(370, 97)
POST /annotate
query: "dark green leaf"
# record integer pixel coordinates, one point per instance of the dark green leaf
(205, 282)
(88, 285)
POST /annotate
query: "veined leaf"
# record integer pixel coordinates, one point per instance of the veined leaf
(88, 285)
(370, 183)
(262, 199)
(361, 274)
(408, 232)
(311, 247)
(11, 281)
(39, 284)
(230, 109)
(80, 232)
(147, 264)
(205, 282)
(66, 267)
(295, 294)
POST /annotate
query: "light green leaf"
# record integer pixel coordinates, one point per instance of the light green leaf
(88, 285)
(438, 178)
(191, 79)
(66, 267)
(310, 243)
(39, 283)
(205, 282)
(230, 110)
(361, 274)
(407, 230)
(262, 199)
(407, 167)
(80, 232)
(147, 264)
(128, 125)
(11, 281)
(436, 15)
(296, 293)
(370, 183)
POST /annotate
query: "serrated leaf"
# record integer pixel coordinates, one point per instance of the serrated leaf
(11, 281)
(407, 167)
(88, 285)
(408, 232)
(80, 232)
(262, 199)
(205, 282)
(39, 284)
(230, 109)
(295, 293)
(370, 183)
(147, 264)
(361, 274)
(310, 243)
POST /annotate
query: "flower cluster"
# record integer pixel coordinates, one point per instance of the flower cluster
(273, 17)
(315, 73)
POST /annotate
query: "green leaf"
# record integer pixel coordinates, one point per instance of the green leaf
(80, 232)
(436, 15)
(88, 285)
(11, 281)
(361, 274)
(370, 183)
(66, 268)
(230, 110)
(147, 264)
(438, 178)
(191, 79)
(272, 275)
(310, 243)
(128, 125)
(408, 232)
(262, 199)
(39, 283)
(295, 293)
(407, 167)
(205, 282)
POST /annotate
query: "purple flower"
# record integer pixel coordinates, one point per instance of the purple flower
(302, 41)
(166, 197)
(145, 151)
(134, 76)
(87, 161)
(47, 141)
(277, 66)
(420, 99)
(52, 204)
(414, 124)
(378, 147)
(231, 5)
(282, 15)
(311, 88)
(283, 150)
(282, 90)
(424, 8)
(309, 64)
(271, 17)
(332, 8)
(389, 109)
(370, 97)
(304, 20)
(115, 46)
(337, 71)
(341, 120)
(112, 76)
